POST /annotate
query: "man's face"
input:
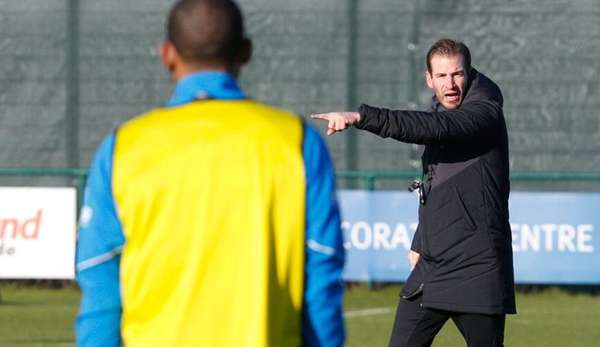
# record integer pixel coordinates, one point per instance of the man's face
(448, 79)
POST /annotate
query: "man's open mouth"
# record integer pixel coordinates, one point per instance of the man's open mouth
(452, 96)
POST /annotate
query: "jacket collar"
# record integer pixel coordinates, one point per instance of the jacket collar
(206, 85)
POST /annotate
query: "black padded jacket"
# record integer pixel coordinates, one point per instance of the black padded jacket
(464, 235)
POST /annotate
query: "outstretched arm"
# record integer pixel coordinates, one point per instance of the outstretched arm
(471, 121)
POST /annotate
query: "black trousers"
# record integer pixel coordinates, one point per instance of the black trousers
(416, 326)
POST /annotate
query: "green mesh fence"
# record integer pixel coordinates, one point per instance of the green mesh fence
(71, 71)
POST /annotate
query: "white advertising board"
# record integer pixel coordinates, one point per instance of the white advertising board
(37, 232)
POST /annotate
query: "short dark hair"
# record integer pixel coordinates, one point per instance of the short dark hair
(449, 47)
(206, 30)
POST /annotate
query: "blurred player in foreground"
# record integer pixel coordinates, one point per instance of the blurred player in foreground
(212, 221)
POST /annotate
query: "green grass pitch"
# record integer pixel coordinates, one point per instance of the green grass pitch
(43, 317)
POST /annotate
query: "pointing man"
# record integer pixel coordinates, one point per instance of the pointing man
(461, 252)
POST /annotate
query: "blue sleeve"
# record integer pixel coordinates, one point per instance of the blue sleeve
(99, 245)
(323, 322)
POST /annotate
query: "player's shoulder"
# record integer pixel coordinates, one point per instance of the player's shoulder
(312, 137)
(144, 119)
(270, 110)
(257, 113)
(265, 116)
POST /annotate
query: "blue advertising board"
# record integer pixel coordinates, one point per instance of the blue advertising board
(553, 236)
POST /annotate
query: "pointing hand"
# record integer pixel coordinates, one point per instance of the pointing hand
(337, 121)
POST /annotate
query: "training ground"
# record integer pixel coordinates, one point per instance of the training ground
(43, 317)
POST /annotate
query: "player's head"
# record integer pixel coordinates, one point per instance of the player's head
(205, 35)
(448, 66)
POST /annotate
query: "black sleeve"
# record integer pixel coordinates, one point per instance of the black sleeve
(416, 244)
(473, 120)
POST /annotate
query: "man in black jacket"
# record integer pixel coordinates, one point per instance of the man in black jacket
(461, 255)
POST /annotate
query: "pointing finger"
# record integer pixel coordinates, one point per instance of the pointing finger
(324, 116)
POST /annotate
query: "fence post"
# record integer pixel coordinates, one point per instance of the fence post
(351, 137)
(72, 87)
